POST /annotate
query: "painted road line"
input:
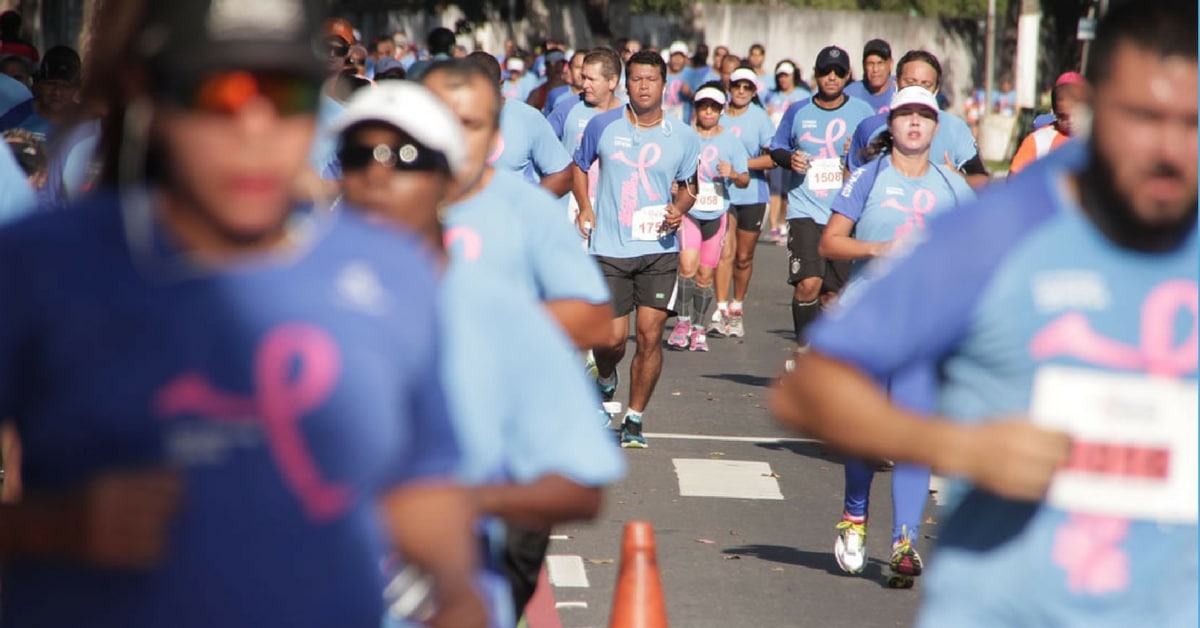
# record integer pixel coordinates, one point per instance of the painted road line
(738, 479)
(731, 439)
(939, 485)
(570, 605)
(560, 537)
(567, 571)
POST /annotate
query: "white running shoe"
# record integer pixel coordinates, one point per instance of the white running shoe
(850, 548)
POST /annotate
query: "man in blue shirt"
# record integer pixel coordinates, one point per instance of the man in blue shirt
(55, 85)
(1062, 321)
(877, 85)
(642, 153)
(440, 42)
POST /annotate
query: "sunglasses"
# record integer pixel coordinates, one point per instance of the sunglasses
(338, 49)
(837, 70)
(747, 85)
(408, 157)
(228, 92)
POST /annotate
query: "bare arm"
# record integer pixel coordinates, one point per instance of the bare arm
(836, 243)
(550, 500)
(588, 325)
(559, 183)
(579, 188)
(762, 162)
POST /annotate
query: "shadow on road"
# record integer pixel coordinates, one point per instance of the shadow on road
(808, 450)
(818, 561)
(789, 334)
(743, 378)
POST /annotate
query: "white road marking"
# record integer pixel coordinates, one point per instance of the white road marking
(738, 479)
(731, 439)
(567, 571)
(560, 537)
(570, 605)
(939, 484)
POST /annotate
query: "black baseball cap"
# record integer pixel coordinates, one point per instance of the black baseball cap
(877, 47)
(59, 64)
(190, 38)
(832, 56)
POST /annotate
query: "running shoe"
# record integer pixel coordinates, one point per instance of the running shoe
(720, 324)
(679, 336)
(699, 340)
(631, 434)
(736, 328)
(850, 548)
(906, 563)
(789, 365)
(608, 392)
(593, 371)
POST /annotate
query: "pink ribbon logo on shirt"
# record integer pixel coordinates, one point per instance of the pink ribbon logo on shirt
(647, 158)
(923, 202)
(1087, 547)
(709, 157)
(472, 244)
(674, 88)
(284, 394)
(737, 131)
(834, 132)
(497, 151)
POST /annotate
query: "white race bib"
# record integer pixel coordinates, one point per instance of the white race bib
(1134, 443)
(649, 223)
(824, 174)
(711, 197)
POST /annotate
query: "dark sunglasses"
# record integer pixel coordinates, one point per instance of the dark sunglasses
(743, 85)
(228, 92)
(837, 70)
(338, 49)
(408, 157)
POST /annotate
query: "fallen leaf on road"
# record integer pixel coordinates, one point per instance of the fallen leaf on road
(676, 394)
(716, 453)
(734, 533)
(601, 561)
(777, 569)
(706, 541)
(734, 557)
(930, 520)
(770, 475)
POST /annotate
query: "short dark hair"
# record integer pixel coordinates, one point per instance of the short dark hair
(920, 55)
(441, 40)
(578, 53)
(646, 57)
(488, 63)
(465, 70)
(758, 47)
(1165, 27)
(608, 60)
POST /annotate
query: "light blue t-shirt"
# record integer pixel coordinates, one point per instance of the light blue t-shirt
(637, 168)
(18, 198)
(953, 137)
(323, 154)
(1020, 281)
(882, 102)
(12, 93)
(713, 199)
(699, 76)
(516, 229)
(557, 96)
(675, 103)
(822, 134)
(527, 144)
(885, 205)
(755, 130)
(521, 88)
(777, 102)
(43, 129)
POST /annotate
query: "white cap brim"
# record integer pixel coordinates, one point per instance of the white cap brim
(914, 95)
(743, 74)
(413, 109)
(710, 93)
(785, 68)
(515, 65)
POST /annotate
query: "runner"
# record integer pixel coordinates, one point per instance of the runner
(641, 153)
(55, 86)
(678, 91)
(757, 57)
(515, 86)
(251, 408)
(953, 145)
(1067, 97)
(883, 203)
(574, 84)
(789, 88)
(729, 63)
(440, 43)
(1067, 309)
(810, 140)
(877, 85)
(527, 145)
(722, 166)
(501, 221)
(601, 67)
(522, 407)
(746, 119)
(556, 84)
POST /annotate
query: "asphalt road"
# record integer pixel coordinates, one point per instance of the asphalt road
(761, 558)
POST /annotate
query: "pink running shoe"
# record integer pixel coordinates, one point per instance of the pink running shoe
(699, 340)
(679, 336)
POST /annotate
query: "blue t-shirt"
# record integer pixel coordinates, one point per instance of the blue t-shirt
(557, 96)
(322, 156)
(1045, 119)
(13, 93)
(675, 102)
(520, 88)
(637, 168)
(713, 197)
(290, 391)
(953, 137)
(43, 129)
(516, 229)
(885, 205)
(754, 128)
(1024, 280)
(698, 76)
(882, 102)
(71, 165)
(822, 134)
(777, 102)
(19, 197)
(527, 144)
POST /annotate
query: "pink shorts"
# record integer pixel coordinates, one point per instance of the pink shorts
(705, 236)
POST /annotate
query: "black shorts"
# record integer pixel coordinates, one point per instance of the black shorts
(708, 227)
(749, 217)
(524, 553)
(646, 281)
(804, 261)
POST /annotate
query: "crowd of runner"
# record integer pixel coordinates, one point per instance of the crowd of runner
(329, 332)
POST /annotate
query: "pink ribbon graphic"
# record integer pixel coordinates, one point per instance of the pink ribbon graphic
(737, 131)
(1086, 546)
(497, 151)
(472, 244)
(281, 401)
(923, 202)
(674, 87)
(708, 163)
(1072, 335)
(647, 158)
(834, 132)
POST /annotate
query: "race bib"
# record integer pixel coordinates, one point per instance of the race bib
(649, 223)
(824, 174)
(1133, 451)
(711, 197)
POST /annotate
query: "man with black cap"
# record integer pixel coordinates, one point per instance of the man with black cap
(554, 85)
(233, 389)
(877, 85)
(55, 85)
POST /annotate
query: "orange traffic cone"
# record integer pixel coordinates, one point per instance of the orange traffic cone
(638, 602)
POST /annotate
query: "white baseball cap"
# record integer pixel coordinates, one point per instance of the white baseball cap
(678, 47)
(413, 109)
(710, 93)
(744, 74)
(514, 64)
(785, 68)
(914, 95)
